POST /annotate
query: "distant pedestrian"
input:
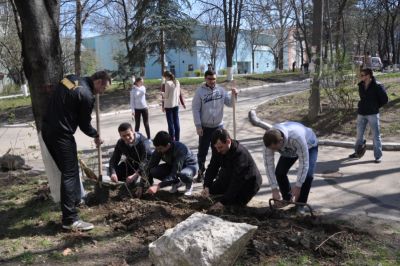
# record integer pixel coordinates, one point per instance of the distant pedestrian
(372, 97)
(294, 66)
(208, 111)
(139, 105)
(172, 96)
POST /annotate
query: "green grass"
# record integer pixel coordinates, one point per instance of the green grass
(389, 75)
(8, 104)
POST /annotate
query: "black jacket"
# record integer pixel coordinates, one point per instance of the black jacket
(371, 98)
(178, 157)
(71, 107)
(238, 164)
(137, 154)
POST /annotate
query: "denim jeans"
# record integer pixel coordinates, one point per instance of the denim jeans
(173, 122)
(204, 145)
(373, 121)
(282, 169)
(162, 171)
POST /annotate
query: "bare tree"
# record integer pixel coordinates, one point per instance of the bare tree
(302, 14)
(278, 16)
(213, 35)
(253, 33)
(232, 11)
(314, 100)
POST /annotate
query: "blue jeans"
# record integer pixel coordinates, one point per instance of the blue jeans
(282, 169)
(204, 145)
(373, 121)
(174, 129)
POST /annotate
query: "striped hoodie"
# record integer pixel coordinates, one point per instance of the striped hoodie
(298, 139)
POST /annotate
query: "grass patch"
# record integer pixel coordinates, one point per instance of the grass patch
(333, 121)
(7, 104)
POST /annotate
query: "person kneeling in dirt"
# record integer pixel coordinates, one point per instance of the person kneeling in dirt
(293, 141)
(179, 168)
(236, 174)
(136, 150)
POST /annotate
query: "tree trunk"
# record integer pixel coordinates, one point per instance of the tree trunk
(41, 52)
(78, 37)
(162, 52)
(314, 100)
(280, 58)
(229, 64)
(252, 59)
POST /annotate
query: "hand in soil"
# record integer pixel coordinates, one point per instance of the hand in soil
(295, 193)
(132, 178)
(114, 178)
(153, 190)
(205, 193)
(139, 192)
(217, 207)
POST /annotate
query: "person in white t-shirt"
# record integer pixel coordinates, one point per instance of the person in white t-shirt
(139, 105)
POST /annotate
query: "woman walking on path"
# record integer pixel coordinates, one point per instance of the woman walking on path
(139, 105)
(171, 97)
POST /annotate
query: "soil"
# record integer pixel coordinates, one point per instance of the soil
(125, 226)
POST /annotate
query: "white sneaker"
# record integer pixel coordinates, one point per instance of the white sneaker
(79, 226)
(189, 189)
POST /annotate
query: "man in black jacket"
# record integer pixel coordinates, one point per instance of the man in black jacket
(179, 168)
(136, 150)
(71, 106)
(372, 97)
(234, 170)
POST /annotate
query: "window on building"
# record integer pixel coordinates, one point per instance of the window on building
(257, 65)
(190, 67)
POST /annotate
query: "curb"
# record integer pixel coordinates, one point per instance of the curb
(389, 146)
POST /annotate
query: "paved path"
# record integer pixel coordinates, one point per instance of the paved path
(355, 187)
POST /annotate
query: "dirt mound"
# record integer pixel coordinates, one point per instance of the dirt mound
(279, 234)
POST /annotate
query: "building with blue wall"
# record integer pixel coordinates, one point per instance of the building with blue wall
(186, 63)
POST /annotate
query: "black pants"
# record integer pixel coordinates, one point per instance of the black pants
(123, 170)
(162, 171)
(282, 169)
(221, 185)
(62, 148)
(204, 145)
(145, 113)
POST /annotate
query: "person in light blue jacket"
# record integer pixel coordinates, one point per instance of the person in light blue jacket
(294, 142)
(208, 112)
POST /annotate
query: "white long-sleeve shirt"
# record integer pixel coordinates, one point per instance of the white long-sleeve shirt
(298, 139)
(138, 98)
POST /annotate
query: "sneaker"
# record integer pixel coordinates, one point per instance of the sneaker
(379, 160)
(79, 226)
(200, 177)
(353, 156)
(189, 189)
(175, 187)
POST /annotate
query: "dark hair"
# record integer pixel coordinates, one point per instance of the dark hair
(168, 74)
(124, 126)
(272, 136)
(162, 139)
(220, 134)
(209, 73)
(138, 79)
(368, 71)
(103, 75)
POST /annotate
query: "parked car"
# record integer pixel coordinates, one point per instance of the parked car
(376, 64)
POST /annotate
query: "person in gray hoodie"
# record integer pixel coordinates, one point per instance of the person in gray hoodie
(294, 142)
(208, 111)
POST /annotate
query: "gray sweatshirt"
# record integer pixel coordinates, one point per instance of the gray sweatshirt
(298, 139)
(208, 106)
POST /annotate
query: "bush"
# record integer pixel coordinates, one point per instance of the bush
(222, 71)
(197, 73)
(187, 74)
(10, 89)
